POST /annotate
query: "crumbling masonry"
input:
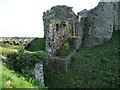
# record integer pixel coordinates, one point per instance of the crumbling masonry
(87, 28)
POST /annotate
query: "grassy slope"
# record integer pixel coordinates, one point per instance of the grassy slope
(91, 67)
(11, 79)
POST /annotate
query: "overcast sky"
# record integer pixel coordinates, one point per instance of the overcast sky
(23, 18)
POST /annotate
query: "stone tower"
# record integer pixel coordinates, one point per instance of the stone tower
(59, 26)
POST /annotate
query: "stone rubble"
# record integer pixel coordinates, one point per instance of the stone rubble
(38, 72)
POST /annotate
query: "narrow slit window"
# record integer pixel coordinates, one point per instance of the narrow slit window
(57, 27)
(64, 24)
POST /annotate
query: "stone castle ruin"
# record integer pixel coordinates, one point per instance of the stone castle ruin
(87, 28)
(60, 27)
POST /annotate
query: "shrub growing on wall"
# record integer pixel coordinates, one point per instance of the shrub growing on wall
(65, 50)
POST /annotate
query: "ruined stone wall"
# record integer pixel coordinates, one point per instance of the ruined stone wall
(92, 27)
(59, 25)
(57, 12)
(116, 12)
(58, 33)
(119, 15)
(99, 24)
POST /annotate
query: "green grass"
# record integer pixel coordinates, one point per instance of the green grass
(12, 57)
(5, 51)
(24, 61)
(10, 79)
(36, 45)
(95, 67)
(9, 46)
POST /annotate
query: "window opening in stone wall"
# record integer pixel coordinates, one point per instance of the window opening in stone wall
(114, 6)
(75, 32)
(64, 24)
(95, 14)
(53, 34)
(49, 44)
(111, 26)
(102, 9)
(77, 17)
(72, 32)
(57, 27)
